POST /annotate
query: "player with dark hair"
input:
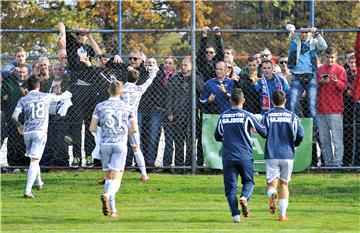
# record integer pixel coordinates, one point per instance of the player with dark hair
(35, 107)
(282, 126)
(115, 118)
(131, 95)
(233, 129)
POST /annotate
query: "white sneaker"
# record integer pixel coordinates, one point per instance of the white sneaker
(236, 218)
(28, 195)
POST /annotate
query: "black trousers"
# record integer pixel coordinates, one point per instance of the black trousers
(84, 99)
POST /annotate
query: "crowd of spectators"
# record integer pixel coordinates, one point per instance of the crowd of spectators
(326, 93)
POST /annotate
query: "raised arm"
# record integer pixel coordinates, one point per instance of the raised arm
(62, 35)
(93, 43)
(219, 45)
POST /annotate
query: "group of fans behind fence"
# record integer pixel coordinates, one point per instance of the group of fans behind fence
(323, 92)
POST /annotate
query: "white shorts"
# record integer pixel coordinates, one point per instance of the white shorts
(134, 139)
(113, 157)
(279, 168)
(35, 144)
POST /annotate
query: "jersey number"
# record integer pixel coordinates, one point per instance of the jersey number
(113, 118)
(37, 110)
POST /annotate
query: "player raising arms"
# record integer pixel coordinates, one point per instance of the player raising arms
(115, 118)
(233, 129)
(35, 107)
(131, 95)
(282, 127)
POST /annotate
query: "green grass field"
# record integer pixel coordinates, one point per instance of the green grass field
(176, 203)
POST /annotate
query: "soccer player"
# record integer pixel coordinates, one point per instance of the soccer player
(35, 106)
(284, 133)
(131, 95)
(233, 129)
(115, 118)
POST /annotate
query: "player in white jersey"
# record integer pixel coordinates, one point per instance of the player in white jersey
(35, 107)
(115, 119)
(131, 95)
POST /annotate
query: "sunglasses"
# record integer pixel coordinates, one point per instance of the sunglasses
(134, 58)
(283, 62)
(210, 52)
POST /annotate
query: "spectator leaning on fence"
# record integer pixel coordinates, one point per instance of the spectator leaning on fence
(302, 62)
(12, 89)
(170, 65)
(330, 106)
(20, 59)
(217, 91)
(56, 150)
(268, 83)
(79, 55)
(179, 112)
(208, 56)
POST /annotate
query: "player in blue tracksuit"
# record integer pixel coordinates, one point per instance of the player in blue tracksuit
(233, 129)
(284, 133)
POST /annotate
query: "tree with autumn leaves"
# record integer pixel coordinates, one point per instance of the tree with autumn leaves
(161, 14)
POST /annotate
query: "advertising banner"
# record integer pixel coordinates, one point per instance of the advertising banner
(303, 153)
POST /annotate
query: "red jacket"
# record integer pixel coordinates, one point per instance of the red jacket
(356, 93)
(330, 95)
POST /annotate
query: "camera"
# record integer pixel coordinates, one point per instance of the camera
(325, 77)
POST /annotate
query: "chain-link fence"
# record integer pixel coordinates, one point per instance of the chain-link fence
(87, 62)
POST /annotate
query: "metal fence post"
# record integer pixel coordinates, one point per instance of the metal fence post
(119, 27)
(193, 88)
(312, 13)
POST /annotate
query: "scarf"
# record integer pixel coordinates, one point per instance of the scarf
(265, 93)
(167, 76)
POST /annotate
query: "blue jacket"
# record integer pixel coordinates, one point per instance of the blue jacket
(222, 102)
(233, 129)
(316, 43)
(282, 126)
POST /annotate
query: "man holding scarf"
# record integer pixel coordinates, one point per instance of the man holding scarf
(268, 83)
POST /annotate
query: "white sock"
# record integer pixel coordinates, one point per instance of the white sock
(114, 187)
(139, 157)
(107, 188)
(32, 174)
(38, 177)
(271, 191)
(283, 203)
(112, 203)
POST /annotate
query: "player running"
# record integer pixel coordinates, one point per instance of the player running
(131, 95)
(115, 118)
(35, 106)
(284, 133)
(233, 129)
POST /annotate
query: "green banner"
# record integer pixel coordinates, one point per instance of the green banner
(211, 147)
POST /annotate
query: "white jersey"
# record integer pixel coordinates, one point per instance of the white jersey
(114, 117)
(35, 106)
(132, 93)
